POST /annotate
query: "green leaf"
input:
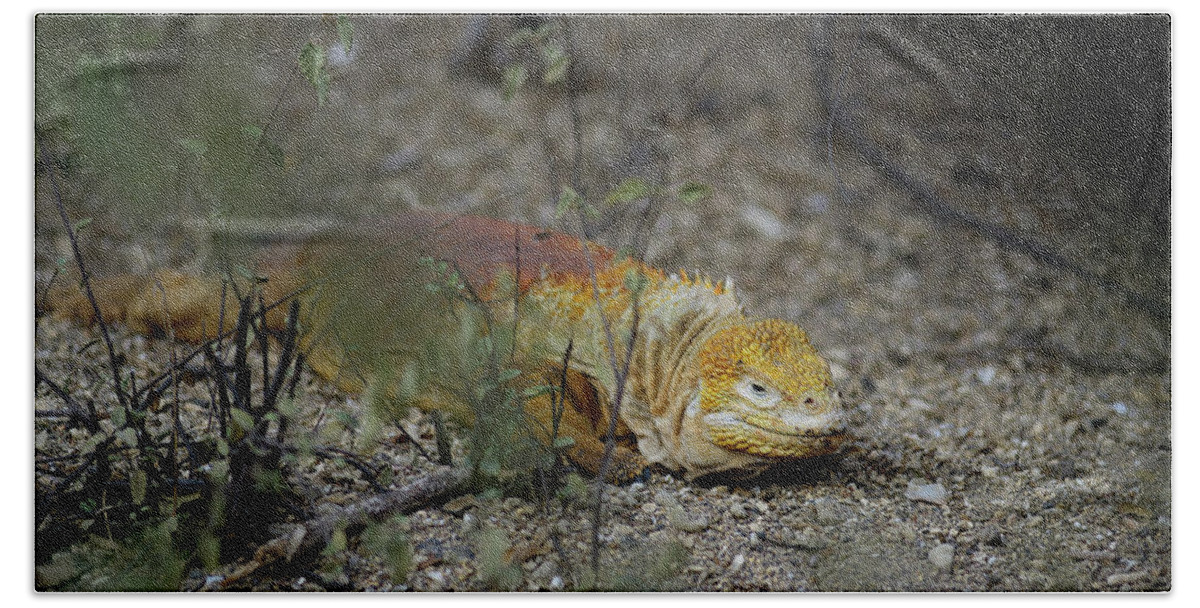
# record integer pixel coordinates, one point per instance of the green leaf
(564, 442)
(537, 391)
(390, 541)
(253, 131)
(312, 66)
(568, 200)
(118, 417)
(693, 192)
(490, 466)
(242, 419)
(507, 375)
(137, 486)
(346, 419)
(287, 408)
(209, 549)
(345, 31)
(514, 78)
(246, 273)
(83, 223)
(635, 281)
(557, 63)
(543, 33)
(337, 541)
(628, 191)
(195, 147)
(520, 37)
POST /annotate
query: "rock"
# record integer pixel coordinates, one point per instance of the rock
(679, 518)
(827, 511)
(545, 571)
(985, 375)
(736, 564)
(991, 536)
(934, 493)
(738, 511)
(556, 583)
(438, 579)
(469, 523)
(942, 556)
(1125, 578)
(763, 220)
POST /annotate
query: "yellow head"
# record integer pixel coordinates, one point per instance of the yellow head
(765, 392)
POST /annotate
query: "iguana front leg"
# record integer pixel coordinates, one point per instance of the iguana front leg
(582, 418)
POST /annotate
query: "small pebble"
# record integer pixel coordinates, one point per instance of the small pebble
(942, 556)
(738, 561)
(763, 220)
(1124, 578)
(985, 375)
(738, 511)
(544, 571)
(827, 511)
(926, 492)
(679, 518)
(556, 583)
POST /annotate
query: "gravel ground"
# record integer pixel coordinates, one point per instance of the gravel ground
(1012, 420)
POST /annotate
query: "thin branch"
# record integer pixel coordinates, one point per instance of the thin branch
(620, 370)
(315, 534)
(74, 410)
(85, 277)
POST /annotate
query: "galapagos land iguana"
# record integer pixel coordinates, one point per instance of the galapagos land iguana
(708, 389)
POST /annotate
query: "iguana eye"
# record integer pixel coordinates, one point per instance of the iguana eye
(758, 389)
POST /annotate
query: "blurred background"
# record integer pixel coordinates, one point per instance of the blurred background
(960, 188)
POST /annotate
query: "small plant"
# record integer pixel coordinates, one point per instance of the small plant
(496, 572)
(389, 540)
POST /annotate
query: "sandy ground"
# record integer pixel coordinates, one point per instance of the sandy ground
(1012, 419)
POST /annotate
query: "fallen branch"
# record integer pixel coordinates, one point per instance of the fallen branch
(315, 534)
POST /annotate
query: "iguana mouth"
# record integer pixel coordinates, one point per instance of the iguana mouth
(733, 432)
(807, 433)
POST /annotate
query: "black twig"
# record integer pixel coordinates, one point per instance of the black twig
(84, 276)
(74, 411)
(620, 369)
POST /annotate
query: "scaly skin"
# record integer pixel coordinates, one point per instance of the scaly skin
(708, 389)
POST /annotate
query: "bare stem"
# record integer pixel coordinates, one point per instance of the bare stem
(85, 278)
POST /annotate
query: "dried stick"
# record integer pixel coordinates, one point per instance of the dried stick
(620, 370)
(315, 534)
(85, 277)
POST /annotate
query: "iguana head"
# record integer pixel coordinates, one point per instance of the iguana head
(764, 393)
